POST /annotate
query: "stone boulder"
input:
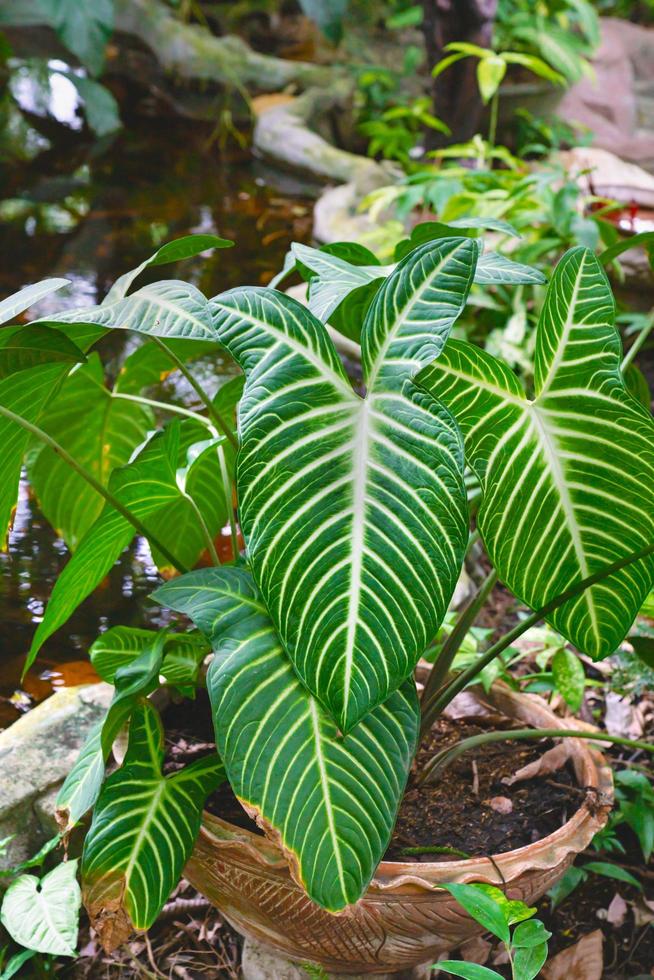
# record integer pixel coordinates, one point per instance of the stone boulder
(618, 103)
(36, 754)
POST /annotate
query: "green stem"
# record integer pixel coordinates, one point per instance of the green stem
(472, 541)
(200, 392)
(451, 647)
(637, 344)
(492, 126)
(466, 676)
(91, 480)
(164, 407)
(206, 534)
(446, 757)
(227, 487)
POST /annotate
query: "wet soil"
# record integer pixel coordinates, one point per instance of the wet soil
(469, 811)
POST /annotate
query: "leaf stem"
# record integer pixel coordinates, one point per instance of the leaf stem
(451, 647)
(197, 388)
(638, 343)
(446, 757)
(229, 500)
(463, 679)
(492, 127)
(91, 480)
(164, 406)
(206, 534)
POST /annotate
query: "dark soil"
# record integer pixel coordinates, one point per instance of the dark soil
(463, 811)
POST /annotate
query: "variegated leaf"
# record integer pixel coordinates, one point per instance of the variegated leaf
(26, 297)
(335, 279)
(329, 801)
(143, 830)
(121, 645)
(353, 510)
(170, 308)
(566, 477)
(133, 680)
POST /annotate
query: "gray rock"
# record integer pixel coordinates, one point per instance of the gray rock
(336, 217)
(36, 754)
(263, 963)
(617, 103)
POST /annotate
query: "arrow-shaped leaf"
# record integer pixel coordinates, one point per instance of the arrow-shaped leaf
(24, 298)
(143, 830)
(149, 488)
(335, 281)
(329, 801)
(99, 431)
(170, 308)
(31, 378)
(353, 509)
(42, 914)
(566, 477)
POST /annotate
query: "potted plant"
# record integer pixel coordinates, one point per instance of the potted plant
(355, 517)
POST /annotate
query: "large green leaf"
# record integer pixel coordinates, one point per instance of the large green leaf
(353, 510)
(329, 801)
(175, 251)
(100, 432)
(566, 477)
(29, 377)
(170, 308)
(42, 914)
(143, 830)
(152, 488)
(29, 346)
(24, 298)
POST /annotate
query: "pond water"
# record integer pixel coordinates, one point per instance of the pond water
(89, 212)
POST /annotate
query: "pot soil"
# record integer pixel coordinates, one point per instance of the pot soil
(404, 920)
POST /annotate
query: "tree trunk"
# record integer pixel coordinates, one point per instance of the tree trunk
(456, 95)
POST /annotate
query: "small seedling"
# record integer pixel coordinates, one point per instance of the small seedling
(524, 938)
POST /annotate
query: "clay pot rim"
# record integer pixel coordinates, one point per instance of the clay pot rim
(593, 773)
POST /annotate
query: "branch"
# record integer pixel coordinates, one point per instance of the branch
(192, 51)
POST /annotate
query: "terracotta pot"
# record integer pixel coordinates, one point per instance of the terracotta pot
(401, 921)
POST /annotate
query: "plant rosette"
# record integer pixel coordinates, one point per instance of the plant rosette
(354, 510)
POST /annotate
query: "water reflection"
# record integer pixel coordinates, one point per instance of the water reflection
(89, 213)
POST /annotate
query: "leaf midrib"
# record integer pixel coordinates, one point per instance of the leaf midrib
(546, 441)
(324, 781)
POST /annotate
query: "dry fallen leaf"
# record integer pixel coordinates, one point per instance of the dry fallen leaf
(617, 910)
(549, 762)
(621, 718)
(501, 804)
(643, 912)
(466, 705)
(583, 961)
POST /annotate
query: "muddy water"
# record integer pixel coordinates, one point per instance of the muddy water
(88, 213)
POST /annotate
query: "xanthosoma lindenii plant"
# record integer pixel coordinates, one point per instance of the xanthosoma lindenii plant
(354, 515)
